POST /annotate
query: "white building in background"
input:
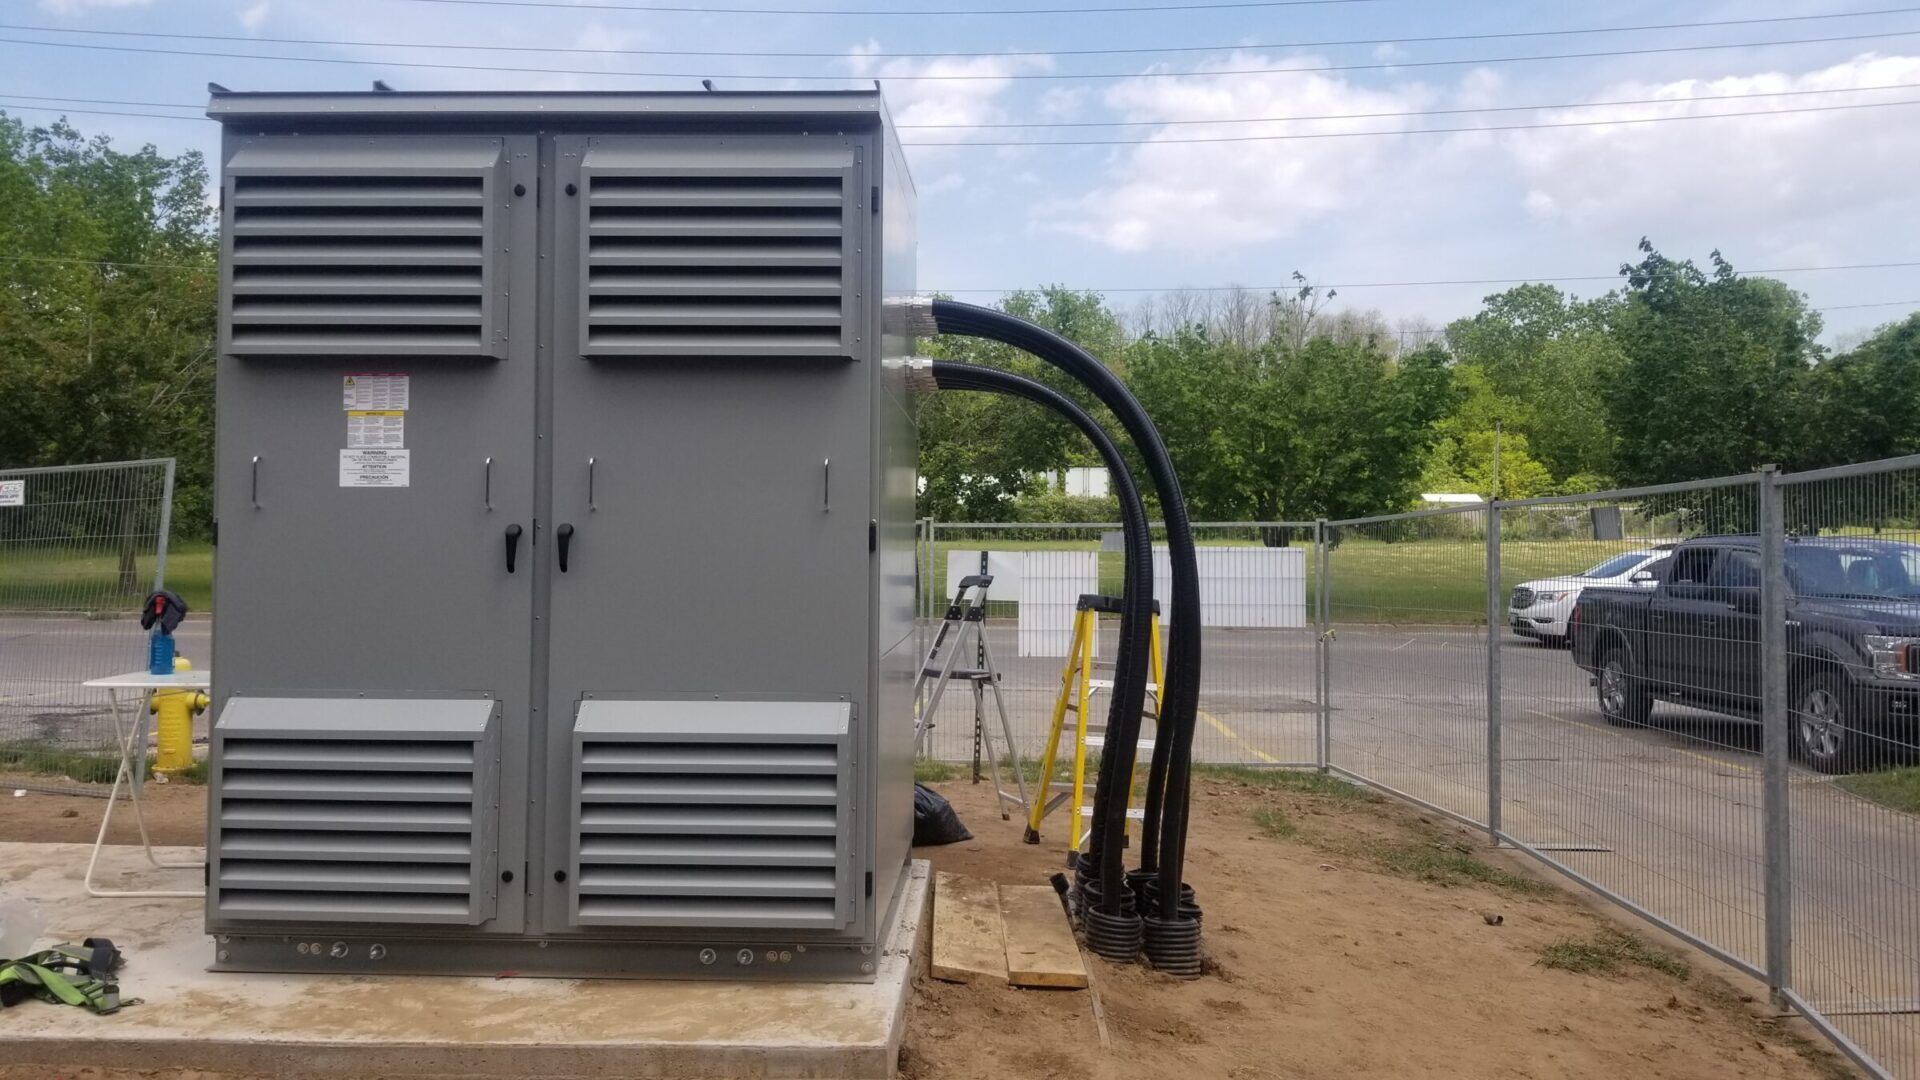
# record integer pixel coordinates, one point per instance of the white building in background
(1444, 498)
(1084, 480)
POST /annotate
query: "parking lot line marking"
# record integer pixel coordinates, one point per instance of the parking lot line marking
(1718, 762)
(1229, 733)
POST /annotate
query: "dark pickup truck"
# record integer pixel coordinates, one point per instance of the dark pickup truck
(1853, 643)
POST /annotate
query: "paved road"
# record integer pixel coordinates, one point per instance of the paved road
(1668, 816)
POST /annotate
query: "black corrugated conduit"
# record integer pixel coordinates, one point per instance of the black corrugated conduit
(1115, 935)
(1171, 932)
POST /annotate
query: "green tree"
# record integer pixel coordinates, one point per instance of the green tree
(978, 452)
(1865, 403)
(1332, 429)
(1550, 358)
(107, 306)
(1712, 366)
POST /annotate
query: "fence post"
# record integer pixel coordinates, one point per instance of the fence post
(166, 529)
(1322, 656)
(1775, 733)
(1494, 607)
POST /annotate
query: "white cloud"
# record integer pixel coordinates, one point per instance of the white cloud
(1744, 175)
(253, 18)
(1234, 194)
(81, 7)
(970, 100)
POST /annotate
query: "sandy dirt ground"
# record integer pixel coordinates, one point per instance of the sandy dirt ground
(1356, 943)
(1346, 937)
(176, 814)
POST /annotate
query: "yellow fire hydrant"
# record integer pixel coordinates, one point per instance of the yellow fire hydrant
(174, 711)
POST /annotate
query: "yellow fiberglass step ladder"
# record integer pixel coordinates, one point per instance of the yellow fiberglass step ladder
(967, 617)
(1078, 687)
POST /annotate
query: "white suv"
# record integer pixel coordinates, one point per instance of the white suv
(1539, 609)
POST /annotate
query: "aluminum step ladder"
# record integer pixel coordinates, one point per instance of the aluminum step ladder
(1078, 689)
(967, 617)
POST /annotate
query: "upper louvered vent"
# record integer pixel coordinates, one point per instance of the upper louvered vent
(355, 810)
(375, 247)
(739, 248)
(711, 813)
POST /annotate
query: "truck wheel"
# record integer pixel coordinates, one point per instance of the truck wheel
(1825, 730)
(1624, 702)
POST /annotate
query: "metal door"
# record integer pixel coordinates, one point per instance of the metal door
(710, 464)
(375, 455)
(1682, 630)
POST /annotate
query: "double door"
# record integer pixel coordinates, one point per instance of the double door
(542, 423)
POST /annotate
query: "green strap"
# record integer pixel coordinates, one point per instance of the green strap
(55, 987)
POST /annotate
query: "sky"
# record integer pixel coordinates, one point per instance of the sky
(1367, 208)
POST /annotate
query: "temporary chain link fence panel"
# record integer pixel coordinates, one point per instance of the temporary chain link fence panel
(1406, 614)
(80, 546)
(1852, 696)
(1629, 682)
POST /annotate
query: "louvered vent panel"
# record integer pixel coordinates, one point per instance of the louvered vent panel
(373, 247)
(355, 810)
(737, 249)
(730, 814)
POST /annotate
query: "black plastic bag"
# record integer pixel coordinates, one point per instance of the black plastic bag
(934, 821)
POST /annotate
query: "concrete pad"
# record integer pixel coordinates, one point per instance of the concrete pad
(359, 1026)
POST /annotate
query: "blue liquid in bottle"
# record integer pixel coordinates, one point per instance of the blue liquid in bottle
(160, 652)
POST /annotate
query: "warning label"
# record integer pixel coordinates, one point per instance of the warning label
(374, 392)
(374, 468)
(13, 493)
(385, 430)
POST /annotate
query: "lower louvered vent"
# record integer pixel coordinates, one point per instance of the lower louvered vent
(355, 827)
(714, 827)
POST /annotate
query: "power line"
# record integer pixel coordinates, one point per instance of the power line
(1883, 303)
(1526, 280)
(1024, 76)
(1372, 115)
(869, 12)
(1426, 131)
(1174, 122)
(102, 101)
(1244, 138)
(1238, 46)
(62, 110)
(1289, 287)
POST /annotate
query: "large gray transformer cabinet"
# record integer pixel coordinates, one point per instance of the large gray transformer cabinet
(565, 492)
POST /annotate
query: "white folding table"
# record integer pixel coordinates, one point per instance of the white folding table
(137, 688)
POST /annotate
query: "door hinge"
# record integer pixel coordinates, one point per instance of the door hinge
(869, 884)
(873, 534)
(873, 198)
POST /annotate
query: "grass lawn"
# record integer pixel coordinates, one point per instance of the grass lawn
(89, 581)
(1414, 581)
(1898, 789)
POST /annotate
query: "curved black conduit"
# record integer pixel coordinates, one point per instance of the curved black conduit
(1117, 940)
(1180, 697)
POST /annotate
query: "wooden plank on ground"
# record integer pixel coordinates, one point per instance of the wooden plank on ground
(968, 943)
(1040, 946)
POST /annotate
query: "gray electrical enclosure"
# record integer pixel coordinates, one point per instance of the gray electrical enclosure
(565, 554)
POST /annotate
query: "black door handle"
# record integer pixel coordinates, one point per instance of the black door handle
(513, 545)
(565, 535)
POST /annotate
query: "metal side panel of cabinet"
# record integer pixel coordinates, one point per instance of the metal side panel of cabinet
(367, 491)
(710, 501)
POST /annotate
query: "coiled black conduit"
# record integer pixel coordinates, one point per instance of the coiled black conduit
(1115, 935)
(1177, 932)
